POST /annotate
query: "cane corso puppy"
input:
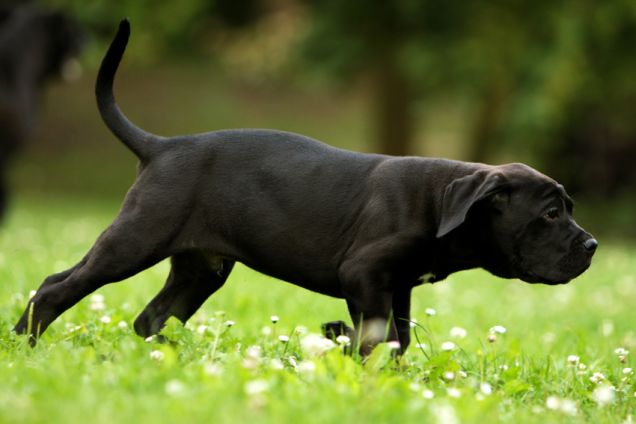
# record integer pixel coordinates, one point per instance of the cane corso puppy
(362, 227)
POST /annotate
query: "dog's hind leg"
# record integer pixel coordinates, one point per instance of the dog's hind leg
(194, 276)
(120, 252)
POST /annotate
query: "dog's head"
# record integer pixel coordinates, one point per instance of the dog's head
(59, 37)
(65, 41)
(522, 221)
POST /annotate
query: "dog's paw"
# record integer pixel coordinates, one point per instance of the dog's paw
(333, 329)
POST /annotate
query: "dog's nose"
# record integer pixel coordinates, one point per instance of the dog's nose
(590, 244)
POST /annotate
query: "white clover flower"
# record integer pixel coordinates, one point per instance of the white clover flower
(157, 355)
(604, 394)
(211, 368)
(250, 363)
(292, 362)
(536, 409)
(428, 394)
(621, 351)
(315, 344)
(448, 346)
(430, 312)
(274, 319)
(105, 319)
(485, 388)
(256, 387)
(252, 357)
(568, 407)
(343, 340)
(283, 338)
(276, 364)
(415, 387)
(229, 323)
(253, 352)
(497, 329)
(622, 354)
(97, 302)
(548, 338)
(573, 359)
(458, 332)
(394, 345)
(462, 373)
(175, 388)
(201, 329)
(627, 371)
(607, 328)
(454, 392)
(97, 298)
(150, 339)
(122, 324)
(553, 403)
(306, 367)
(597, 378)
(71, 328)
(266, 331)
(420, 345)
(413, 323)
(449, 375)
(444, 413)
(301, 329)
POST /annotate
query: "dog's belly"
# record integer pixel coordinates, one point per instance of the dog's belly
(310, 277)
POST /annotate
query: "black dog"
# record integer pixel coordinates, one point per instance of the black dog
(361, 227)
(34, 45)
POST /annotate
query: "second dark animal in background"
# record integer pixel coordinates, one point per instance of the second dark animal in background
(34, 46)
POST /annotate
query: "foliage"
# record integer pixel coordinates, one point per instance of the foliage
(181, 28)
(519, 352)
(547, 82)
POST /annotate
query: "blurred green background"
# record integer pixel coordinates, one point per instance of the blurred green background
(549, 83)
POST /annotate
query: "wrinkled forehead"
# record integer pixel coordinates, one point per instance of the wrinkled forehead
(556, 189)
(536, 184)
(547, 191)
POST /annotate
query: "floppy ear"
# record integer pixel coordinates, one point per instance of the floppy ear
(461, 194)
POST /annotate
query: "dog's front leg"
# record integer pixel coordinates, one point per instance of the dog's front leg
(401, 316)
(370, 304)
(373, 283)
(372, 321)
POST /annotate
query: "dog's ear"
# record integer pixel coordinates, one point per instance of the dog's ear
(461, 194)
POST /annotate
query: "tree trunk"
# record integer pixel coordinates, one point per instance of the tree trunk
(487, 121)
(393, 103)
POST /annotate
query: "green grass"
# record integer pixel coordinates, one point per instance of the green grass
(87, 370)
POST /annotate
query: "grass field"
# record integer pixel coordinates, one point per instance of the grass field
(557, 360)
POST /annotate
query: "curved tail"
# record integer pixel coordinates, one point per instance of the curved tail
(142, 143)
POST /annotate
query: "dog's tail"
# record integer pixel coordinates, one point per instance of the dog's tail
(142, 143)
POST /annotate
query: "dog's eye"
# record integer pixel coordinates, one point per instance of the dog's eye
(552, 214)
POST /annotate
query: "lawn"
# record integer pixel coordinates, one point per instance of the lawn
(490, 350)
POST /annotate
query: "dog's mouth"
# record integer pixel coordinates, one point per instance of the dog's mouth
(536, 279)
(561, 276)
